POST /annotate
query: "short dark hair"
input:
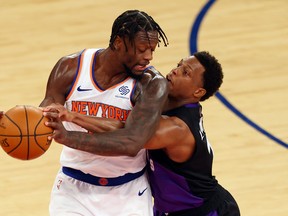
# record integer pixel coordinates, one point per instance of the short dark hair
(131, 22)
(213, 75)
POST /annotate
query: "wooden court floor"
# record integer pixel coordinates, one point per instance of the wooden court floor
(250, 39)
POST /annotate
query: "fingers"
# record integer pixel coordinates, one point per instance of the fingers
(59, 134)
(51, 115)
(50, 109)
(54, 120)
(50, 137)
(56, 126)
(55, 114)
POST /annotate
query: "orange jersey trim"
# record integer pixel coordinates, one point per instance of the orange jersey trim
(93, 80)
(78, 75)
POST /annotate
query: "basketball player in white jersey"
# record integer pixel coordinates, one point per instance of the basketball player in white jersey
(109, 83)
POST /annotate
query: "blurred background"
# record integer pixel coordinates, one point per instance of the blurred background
(250, 39)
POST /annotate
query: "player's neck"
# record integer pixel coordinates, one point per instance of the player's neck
(107, 69)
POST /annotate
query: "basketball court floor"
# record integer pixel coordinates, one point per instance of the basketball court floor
(246, 122)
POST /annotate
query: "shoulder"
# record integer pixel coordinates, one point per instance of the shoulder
(69, 60)
(64, 71)
(66, 67)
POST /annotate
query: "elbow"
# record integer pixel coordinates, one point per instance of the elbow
(134, 148)
(132, 154)
(133, 151)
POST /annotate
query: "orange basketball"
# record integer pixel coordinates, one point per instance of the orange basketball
(23, 134)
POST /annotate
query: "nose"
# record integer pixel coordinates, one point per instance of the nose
(174, 71)
(148, 55)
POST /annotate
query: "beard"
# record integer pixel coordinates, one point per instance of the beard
(131, 74)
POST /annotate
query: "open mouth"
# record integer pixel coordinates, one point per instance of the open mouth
(140, 67)
(169, 81)
(168, 78)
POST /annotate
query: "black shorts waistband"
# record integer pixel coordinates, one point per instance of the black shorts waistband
(101, 181)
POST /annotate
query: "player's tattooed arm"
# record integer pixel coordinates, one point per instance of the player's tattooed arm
(90, 123)
(139, 127)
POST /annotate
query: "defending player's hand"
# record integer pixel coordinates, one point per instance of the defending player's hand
(63, 113)
(60, 134)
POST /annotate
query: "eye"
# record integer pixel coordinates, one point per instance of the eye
(186, 73)
(142, 50)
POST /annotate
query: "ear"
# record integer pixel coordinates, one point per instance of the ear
(200, 92)
(117, 43)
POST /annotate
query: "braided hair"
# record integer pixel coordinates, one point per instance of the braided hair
(131, 22)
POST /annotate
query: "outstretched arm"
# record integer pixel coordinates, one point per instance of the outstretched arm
(90, 123)
(139, 127)
(172, 133)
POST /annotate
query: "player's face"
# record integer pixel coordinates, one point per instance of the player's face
(186, 79)
(138, 55)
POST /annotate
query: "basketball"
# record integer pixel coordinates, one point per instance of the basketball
(23, 134)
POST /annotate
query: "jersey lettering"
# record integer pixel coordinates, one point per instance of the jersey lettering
(93, 108)
(202, 132)
(203, 135)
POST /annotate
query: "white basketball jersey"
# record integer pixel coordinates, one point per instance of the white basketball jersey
(87, 98)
